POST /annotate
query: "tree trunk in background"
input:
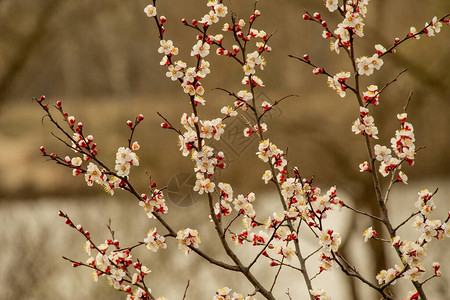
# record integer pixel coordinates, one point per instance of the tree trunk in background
(27, 46)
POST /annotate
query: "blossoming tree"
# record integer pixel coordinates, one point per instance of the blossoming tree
(276, 237)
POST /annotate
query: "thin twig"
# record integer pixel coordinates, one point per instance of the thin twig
(362, 213)
(185, 290)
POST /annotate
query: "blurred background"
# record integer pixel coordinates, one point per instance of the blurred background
(100, 59)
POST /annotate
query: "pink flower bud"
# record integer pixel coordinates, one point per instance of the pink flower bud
(199, 37)
(306, 57)
(273, 264)
(257, 13)
(45, 107)
(60, 213)
(140, 118)
(316, 15)
(130, 124)
(42, 98)
(306, 17)
(52, 155)
(71, 120)
(194, 22)
(317, 71)
(324, 24)
(82, 143)
(165, 125)
(153, 185)
(59, 104)
(184, 21)
(75, 264)
(396, 40)
(42, 149)
(87, 234)
(162, 19)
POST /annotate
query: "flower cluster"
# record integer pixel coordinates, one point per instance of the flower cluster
(403, 147)
(154, 241)
(188, 238)
(365, 125)
(114, 263)
(330, 240)
(125, 158)
(371, 95)
(337, 83)
(95, 170)
(351, 25)
(403, 141)
(319, 294)
(223, 294)
(366, 65)
(156, 203)
(243, 204)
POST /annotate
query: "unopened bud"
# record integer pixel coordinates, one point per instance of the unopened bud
(130, 124)
(317, 71)
(59, 104)
(42, 98)
(42, 148)
(317, 16)
(194, 22)
(306, 17)
(396, 40)
(75, 264)
(306, 57)
(140, 118)
(71, 120)
(184, 21)
(162, 19)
